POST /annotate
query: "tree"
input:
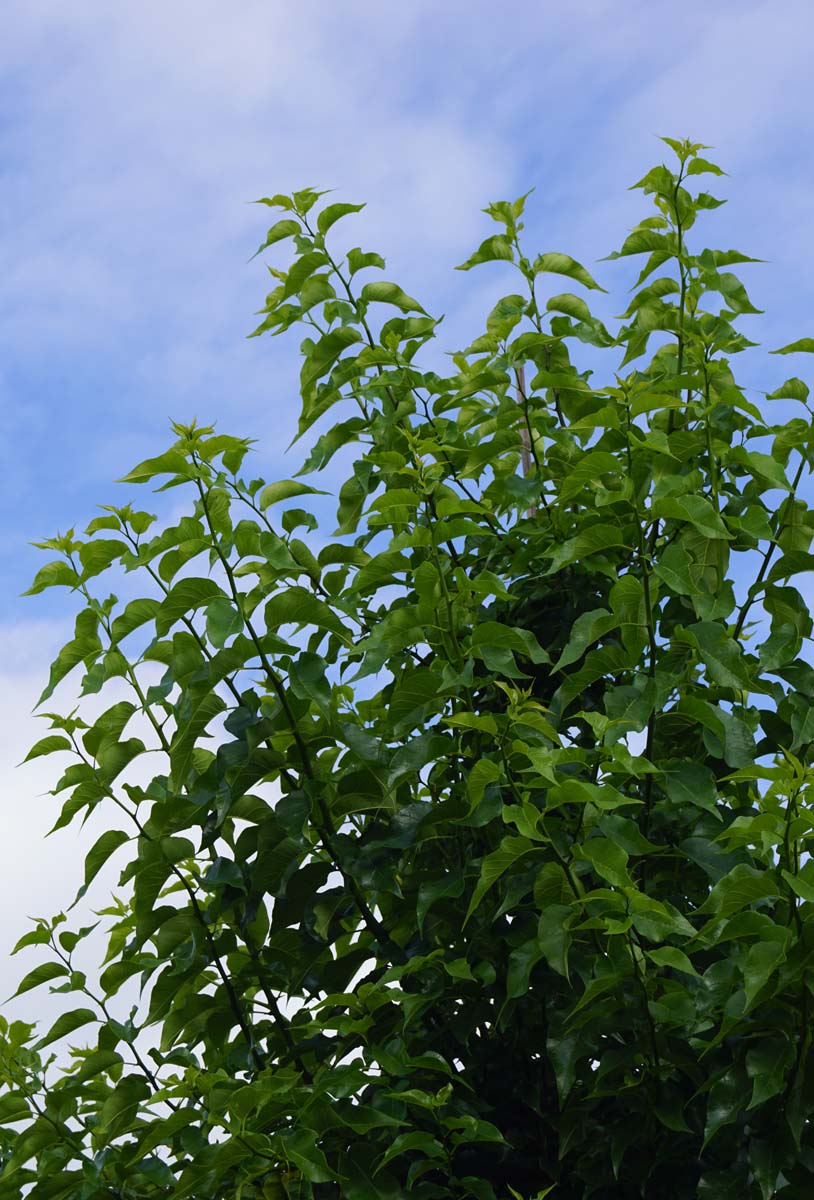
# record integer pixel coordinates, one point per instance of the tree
(476, 859)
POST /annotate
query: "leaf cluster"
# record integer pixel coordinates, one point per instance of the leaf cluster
(474, 855)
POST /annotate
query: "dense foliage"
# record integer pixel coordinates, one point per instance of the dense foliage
(471, 857)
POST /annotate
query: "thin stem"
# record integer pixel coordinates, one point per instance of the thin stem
(326, 830)
(769, 554)
(529, 450)
(683, 277)
(101, 1004)
(713, 466)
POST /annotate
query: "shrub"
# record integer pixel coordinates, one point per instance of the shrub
(476, 860)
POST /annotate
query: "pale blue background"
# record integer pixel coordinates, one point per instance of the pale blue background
(134, 134)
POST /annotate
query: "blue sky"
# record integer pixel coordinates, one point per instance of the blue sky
(134, 135)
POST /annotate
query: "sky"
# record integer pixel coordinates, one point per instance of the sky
(133, 139)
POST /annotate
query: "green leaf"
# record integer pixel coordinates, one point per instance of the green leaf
(48, 745)
(359, 260)
(744, 885)
(278, 233)
(54, 574)
(701, 166)
(563, 264)
(326, 353)
(792, 389)
(382, 292)
(333, 212)
(65, 1025)
(587, 471)
(587, 629)
(765, 468)
(724, 1103)
(607, 858)
(801, 346)
(201, 710)
(692, 783)
(720, 654)
(695, 510)
(572, 306)
(493, 249)
(801, 886)
(511, 849)
(482, 773)
(767, 1064)
(14, 1106)
(286, 489)
(171, 462)
(136, 613)
(416, 1140)
(760, 963)
(553, 935)
(223, 621)
(101, 851)
(671, 956)
(596, 539)
(120, 1109)
(300, 607)
(42, 974)
(183, 598)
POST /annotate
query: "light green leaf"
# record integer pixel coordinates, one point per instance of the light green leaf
(286, 489)
(358, 260)
(382, 292)
(802, 346)
(572, 306)
(58, 573)
(563, 264)
(333, 212)
(792, 389)
(171, 462)
(701, 166)
(278, 232)
(497, 247)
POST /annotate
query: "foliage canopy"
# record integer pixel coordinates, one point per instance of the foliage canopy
(475, 862)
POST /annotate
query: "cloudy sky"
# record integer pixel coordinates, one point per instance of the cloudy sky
(133, 137)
